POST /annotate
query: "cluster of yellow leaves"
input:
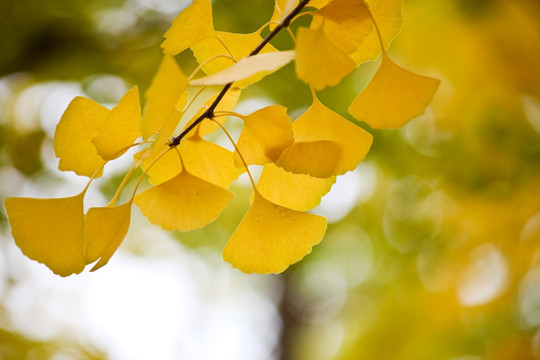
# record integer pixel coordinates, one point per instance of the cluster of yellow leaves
(190, 178)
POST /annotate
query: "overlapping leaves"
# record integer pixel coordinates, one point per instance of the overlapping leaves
(189, 175)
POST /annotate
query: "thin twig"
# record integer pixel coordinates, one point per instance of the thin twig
(209, 113)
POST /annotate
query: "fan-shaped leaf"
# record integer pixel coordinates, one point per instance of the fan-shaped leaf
(393, 97)
(49, 231)
(294, 191)
(192, 25)
(270, 238)
(74, 132)
(183, 203)
(121, 126)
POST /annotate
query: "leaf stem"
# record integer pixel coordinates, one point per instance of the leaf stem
(209, 113)
(239, 154)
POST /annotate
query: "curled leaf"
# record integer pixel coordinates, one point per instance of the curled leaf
(261, 64)
(271, 237)
(238, 46)
(104, 230)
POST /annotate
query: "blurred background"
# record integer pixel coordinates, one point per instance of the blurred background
(433, 245)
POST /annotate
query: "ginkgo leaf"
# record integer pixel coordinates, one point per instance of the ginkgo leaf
(261, 64)
(204, 159)
(295, 191)
(318, 3)
(192, 25)
(209, 161)
(183, 203)
(271, 237)
(389, 18)
(316, 158)
(265, 134)
(74, 132)
(207, 126)
(168, 165)
(321, 127)
(165, 168)
(121, 126)
(319, 62)
(393, 97)
(238, 46)
(162, 96)
(281, 9)
(345, 23)
(49, 231)
(104, 230)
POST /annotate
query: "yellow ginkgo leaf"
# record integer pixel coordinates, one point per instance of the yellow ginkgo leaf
(393, 97)
(104, 230)
(167, 88)
(266, 133)
(168, 165)
(192, 25)
(49, 231)
(271, 237)
(209, 161)
(165, 168)
(260, 65)
(294, 191)
(320, 124)
(319, 62)
(121, 126)
(183, 203)
(316, 158)
(207, 126)
(389, 18)
(238, 46)
(281, 9)
(345, 23)
(319, 4)
(74, 132)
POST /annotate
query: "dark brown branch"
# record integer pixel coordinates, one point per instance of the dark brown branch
(209, 113)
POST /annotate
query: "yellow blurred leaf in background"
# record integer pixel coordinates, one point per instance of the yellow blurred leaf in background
(388, 17)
